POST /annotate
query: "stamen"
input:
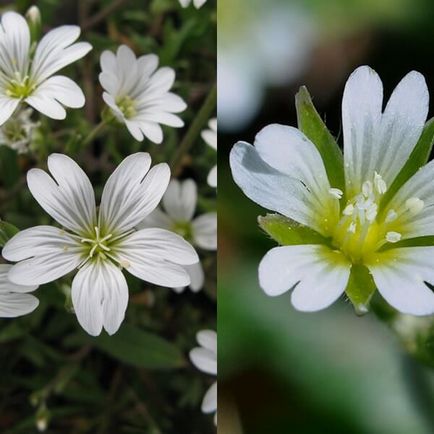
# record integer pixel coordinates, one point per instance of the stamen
(336, 193)
(371, 212)
(367, 188)
(414, 205)
(380, 185)
(352, 228)
(349, 210)
(391, 216)
(393, 237)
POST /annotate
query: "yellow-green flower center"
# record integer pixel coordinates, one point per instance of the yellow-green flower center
(97, 245)
(127, 106)
(183, 228)
(361, 230)
(20, 87)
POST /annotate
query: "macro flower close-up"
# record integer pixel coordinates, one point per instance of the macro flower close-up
(367, 214)
(27, 71)
(179, 202)
(99, 244)
(138, 93)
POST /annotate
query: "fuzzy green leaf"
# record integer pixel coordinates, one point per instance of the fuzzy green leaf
(287, 232)
(417, 159)
(314, 128)
(140, 348)
(7, 231)
(360, 288)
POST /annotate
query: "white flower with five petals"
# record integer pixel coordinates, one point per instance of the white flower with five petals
(14, 300)
(179, 204)
(99, 244)
(137, 92)
(205, 359)
(210, 137)
(29, 78)
(284, 172)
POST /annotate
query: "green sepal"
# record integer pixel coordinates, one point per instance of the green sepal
(287, 232)
(411, 242)
(360, 288)
(7, 231)
(137, 347)
(418, 158)
(314, 128)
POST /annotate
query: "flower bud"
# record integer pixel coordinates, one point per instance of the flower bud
(33, 16)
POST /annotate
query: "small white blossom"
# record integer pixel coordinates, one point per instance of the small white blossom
(137, 92)
(284, 172)
(17, 131)
(205, 359)
(14, 300)
(99, 244)
(197, 3)
(179, 204)
(27, 77)
(210, 137)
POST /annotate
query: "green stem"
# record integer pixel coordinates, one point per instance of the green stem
(195, 129)
(94, 133)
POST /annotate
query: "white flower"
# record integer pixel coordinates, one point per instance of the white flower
(138, 93)
(25, 77)
(179, 204)
(17, 131)
(99, 244)
(284, 172)
(205, 359)
(210, 137)
(14, 300)
(197, 3)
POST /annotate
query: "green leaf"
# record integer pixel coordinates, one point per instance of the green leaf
(311, 124)
(287, 232)
(417, 159)
(7, 231)
(360, 288)
(140, 348)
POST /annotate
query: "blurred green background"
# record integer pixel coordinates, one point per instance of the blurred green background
(139, 381)
(281, 371)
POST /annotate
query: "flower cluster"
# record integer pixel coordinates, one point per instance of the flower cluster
(90, 246)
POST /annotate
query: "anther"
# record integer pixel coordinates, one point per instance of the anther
(391, 216)
(380, 185)
(336, 193)
(352, 228)
(414, 205)
(348, 210)
(393, 237)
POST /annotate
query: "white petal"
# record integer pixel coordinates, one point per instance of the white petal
(212, 177)
(151, 130)
(361, 120)
(15, 43)
(180, 199)
(270, 188)
(7, 108)
(46, 105)
(380, 142)
(6, 286)
(205, 231)
(318, 274)
(204, 359)
(199, 3)
(208, 340)
(13, 305)
(197, 276)
(157, 256)
(209, 403)
(409, 224)
(100, 297)
(61, 89)
(131, 192)
(46, 253)
(400, 275)
(157, 219)
(70, 200)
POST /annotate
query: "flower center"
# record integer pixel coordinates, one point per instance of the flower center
(360, 230)
(183, 229)
(20, 87)
(127, 106)
(98, 245)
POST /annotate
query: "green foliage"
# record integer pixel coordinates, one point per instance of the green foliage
(7, 231)
(287, 232)
(311, 124)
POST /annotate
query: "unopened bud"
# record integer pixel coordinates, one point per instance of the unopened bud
(33, 16)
